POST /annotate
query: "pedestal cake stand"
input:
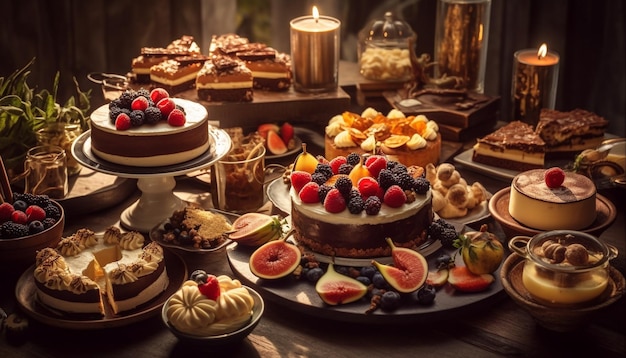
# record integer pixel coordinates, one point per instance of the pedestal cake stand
(157, 200)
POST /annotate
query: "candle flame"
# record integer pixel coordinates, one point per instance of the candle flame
(316, 13)
(543, 51)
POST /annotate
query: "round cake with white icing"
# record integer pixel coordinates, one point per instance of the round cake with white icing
(151, 145)
(570, 206)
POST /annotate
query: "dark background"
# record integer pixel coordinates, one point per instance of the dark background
(77, 37)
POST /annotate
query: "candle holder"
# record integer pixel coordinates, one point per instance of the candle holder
(534, 85)
(315, 53)
(461, 38)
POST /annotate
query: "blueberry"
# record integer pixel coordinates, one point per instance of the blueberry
(379, 281)
(368, 271)
(426, 294)
(390, 301)
(364, 280)
(443, 260)
(35, 227)
(344, 270)
(20, 205)
(200, 276)
(314, 274)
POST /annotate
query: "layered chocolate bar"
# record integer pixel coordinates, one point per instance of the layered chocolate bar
(224, 78)
(571, 131)
(150, 56)
(178, 74)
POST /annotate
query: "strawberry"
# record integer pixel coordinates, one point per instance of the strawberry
(166, 105)
(375, 164)
(309, 193)
(176, 118)
(211, 288)
(336, 162)
(19, 217)
(140, 103)
(6, 209)
(464, 280)
(394, 196)
(158, 94)
(554, 177)
(368, 186)
(122, 122)
(299, 178)
(334, 202)
(286, 132)
(35, 213)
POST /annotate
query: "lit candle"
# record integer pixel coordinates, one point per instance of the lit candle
(315, 52)
(535, 79)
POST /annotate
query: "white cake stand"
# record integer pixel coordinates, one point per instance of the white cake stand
(157, 201)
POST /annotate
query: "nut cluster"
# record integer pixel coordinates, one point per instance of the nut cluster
(558, 252)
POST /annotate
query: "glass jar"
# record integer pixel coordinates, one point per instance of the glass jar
(62, 135)
(564, 267)
(386, 50)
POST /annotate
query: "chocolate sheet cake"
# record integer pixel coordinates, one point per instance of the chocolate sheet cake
(570, 131)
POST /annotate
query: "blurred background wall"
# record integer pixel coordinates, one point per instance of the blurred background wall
(77, 37)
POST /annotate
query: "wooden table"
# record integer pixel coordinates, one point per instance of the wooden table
(502, 329)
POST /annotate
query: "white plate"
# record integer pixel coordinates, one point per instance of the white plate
(465, 159)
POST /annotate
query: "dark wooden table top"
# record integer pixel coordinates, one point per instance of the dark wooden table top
(502, 328)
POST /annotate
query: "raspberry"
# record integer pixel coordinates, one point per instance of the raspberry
(6, 210)
(35, 213)
(554, 177)
(158, 94)
(210, 289)
(122, 122)
(334, 202)
(309, 193)
(166, 106)
(375, 164)
(336, 162)
(299, 178)
(152, 115)
(394, 197)
(372, 205)
(368, 186)
(176, 118)
(139, 104)
(19, 217)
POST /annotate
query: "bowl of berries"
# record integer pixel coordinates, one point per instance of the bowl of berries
(27, 224)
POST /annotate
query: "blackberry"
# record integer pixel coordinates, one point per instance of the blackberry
(325, 169)
(448, 237)
(353, 158)
(445, 224)
(116, 103)
(152, 115)
(345, 168)
(322, 191)
(398, 168)
(421, 185)
(386, 179)
(356, 204)
(344, 185)
(48, 222)
(116, 111)
(405, 181)
(143, 92)
(11, 230)
(136, 118)
(126, 98)
(52, 211)
(318, 178)
(32, 199)
(372, 205)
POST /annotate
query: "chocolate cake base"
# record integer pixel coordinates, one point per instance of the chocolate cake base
(503, 163)
(176, 89)
(226, 95)
(271, 84)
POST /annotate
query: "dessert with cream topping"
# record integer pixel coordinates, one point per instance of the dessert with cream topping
(540, 202)
(412, 140)
(87, 271)
(208, 305)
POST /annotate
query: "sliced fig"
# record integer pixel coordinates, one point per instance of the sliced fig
(335, 288)
(275, 143)
(462, 279)
(265, 128)
(409, 270)
(255, 229)
(437, 278)
(275, 259)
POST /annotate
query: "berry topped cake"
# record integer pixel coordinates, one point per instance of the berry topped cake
(412, 140)
(347, 207)
(149, 129)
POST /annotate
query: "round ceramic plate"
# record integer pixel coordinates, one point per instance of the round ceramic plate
(297, 147)
(156, 234)
(26, 294)
(221, 339)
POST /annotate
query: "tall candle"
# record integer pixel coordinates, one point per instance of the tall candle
(315, 52)
(535, 79)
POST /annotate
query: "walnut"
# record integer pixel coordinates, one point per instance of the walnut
(559, 254)
(577, 254)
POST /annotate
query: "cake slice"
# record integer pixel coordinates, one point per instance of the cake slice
(224, 78)
(177, 75)
(514, 146)
(571, 131)
(151, 56)
(271, 71)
